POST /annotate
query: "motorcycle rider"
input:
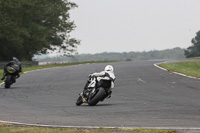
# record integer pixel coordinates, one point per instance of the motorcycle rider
(14, 61)
(104, 78)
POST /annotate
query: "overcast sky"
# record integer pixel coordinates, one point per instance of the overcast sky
(134, 25)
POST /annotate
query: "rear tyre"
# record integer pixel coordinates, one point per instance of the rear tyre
(94, 100)
(8, 81)
(79, 101)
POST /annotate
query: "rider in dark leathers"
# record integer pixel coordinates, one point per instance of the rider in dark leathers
(14, 61)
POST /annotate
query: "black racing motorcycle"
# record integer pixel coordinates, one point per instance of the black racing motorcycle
(94, 92)
(10, 77)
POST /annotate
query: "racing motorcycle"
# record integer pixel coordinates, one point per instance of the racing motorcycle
(10, 75)
(94, 92)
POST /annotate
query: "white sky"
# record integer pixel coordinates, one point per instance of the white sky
(134, 25)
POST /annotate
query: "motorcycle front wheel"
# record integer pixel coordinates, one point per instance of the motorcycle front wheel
(79, 101)
(8, 81)
(98, 97)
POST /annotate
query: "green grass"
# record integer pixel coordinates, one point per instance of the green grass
(191, 68)
(194, 58)
(8, 128)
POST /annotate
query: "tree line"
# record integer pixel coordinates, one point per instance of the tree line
(29, 27)
(175, 53)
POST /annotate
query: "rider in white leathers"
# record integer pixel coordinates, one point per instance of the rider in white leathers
(107, 74)
(105, 79)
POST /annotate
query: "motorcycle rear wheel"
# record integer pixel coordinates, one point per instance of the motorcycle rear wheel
(98, 97)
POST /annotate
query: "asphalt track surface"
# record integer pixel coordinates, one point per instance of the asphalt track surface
(144, 96)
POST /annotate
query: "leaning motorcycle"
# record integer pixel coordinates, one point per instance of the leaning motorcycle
(10, 77)
(94, 92)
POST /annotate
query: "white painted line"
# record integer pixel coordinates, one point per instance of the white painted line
(160, 67)
(96, 127)
(32, 71)
(2, 83)
(140, 80)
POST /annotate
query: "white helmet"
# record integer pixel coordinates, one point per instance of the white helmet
(15, 59)
(109, 68)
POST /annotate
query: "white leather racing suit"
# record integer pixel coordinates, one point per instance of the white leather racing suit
(105, 75)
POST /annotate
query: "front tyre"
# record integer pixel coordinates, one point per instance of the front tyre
(94, 100)
(79, 101)
(8, 81)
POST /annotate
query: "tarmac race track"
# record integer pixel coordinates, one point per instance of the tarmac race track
(144, 96)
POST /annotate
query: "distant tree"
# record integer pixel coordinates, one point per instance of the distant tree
(194, 50)
(29, 27)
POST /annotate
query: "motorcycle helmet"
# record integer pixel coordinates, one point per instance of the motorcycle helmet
(109, 68)
(15, 59)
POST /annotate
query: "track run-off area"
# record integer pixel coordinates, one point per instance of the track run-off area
(144, 96)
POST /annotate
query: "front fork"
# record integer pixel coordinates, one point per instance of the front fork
(87, 93)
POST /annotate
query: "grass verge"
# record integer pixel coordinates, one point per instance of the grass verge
(9, 128)
(191, 68)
